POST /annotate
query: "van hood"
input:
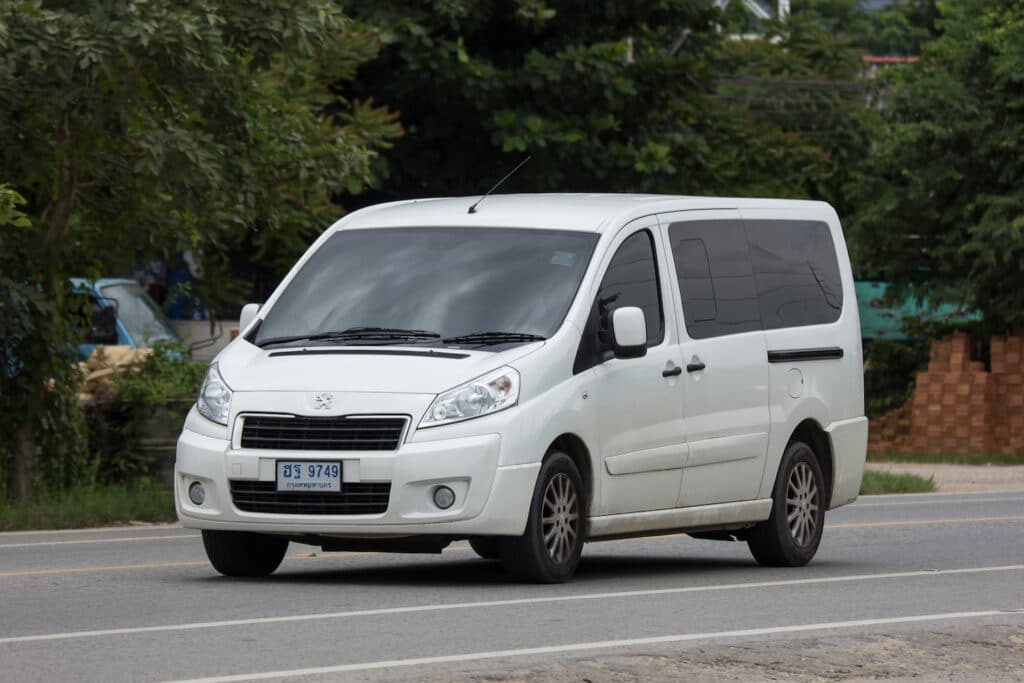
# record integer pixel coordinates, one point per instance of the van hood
(387, 369)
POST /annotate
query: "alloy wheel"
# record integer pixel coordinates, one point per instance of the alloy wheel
(560, 518)
(802, 504)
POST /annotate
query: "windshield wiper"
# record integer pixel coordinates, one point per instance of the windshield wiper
(485, 338)
(381, 333)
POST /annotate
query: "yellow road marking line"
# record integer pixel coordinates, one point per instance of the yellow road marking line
(920, 522)
(162, 565)
(142, 526)
(308, 555)
(107, 568)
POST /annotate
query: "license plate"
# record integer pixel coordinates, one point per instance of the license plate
(308, 476)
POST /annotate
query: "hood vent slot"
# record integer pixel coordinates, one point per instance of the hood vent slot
(370, 352)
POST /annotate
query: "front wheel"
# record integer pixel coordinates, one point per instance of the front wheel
(790, 536)
(549, 550)
(240, 553)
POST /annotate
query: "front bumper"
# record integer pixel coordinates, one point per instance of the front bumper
(490, 499)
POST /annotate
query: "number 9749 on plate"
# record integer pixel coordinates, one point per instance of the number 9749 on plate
(305, 475)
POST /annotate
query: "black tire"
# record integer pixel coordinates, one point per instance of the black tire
(486, 547)
(559, 491)
(800, 492)
(239, 553)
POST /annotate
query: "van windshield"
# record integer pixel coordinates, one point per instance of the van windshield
(441, 283)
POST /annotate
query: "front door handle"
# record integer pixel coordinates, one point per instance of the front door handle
(695, 367)
(674, 371)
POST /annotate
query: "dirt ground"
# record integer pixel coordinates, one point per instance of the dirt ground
(975, 653)
(961, 478)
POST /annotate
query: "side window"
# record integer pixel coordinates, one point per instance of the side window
(716, 280)
(631, 280)
(796, 271)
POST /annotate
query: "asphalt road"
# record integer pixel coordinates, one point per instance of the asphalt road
(142, 604)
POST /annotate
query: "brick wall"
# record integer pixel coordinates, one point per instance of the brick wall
(958, 406)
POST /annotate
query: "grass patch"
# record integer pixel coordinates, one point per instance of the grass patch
(951, 458)
(89, 507)
(875, 483)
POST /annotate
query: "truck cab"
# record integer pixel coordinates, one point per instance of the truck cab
(122, 314)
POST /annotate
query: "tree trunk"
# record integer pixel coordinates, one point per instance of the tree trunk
(23, 457)
(55, 218)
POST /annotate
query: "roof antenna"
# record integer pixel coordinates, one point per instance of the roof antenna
(522, 163)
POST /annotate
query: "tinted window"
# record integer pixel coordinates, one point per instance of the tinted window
(453, 281)
(796, 272)
(716, 281)
(631, 280)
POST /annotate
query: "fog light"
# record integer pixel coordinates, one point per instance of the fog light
(444, 497)
(196, 493)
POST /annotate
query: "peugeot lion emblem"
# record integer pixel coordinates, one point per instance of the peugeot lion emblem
(323, 400)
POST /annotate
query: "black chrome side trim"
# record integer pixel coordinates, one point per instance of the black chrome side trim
(790, 355)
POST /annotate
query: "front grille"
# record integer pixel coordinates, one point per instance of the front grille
(343, 433)
(353, 499)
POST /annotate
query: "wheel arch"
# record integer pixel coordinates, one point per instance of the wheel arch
(573, 446)
(811, 433)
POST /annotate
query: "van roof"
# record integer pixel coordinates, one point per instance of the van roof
(588, 212)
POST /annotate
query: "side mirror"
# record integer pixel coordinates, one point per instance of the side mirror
(247, 315)
(102, 326)
(629, 332)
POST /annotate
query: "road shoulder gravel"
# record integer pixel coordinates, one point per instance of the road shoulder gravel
(975, 652)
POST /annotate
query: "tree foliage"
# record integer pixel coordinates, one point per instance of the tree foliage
(790, 108)
(604, 96)
(135, 126)
(941, 199)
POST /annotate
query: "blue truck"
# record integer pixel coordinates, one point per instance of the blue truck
(122, 313)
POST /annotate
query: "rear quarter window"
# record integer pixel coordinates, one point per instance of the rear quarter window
(796, 272)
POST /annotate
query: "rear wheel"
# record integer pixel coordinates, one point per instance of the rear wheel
(240, 553)
(485, 547)
(549, 550)
(790, 536)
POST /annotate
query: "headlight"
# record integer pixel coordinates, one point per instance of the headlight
(484, 395)
(214, 397)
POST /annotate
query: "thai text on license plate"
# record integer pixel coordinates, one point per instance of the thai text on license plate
(308, 476)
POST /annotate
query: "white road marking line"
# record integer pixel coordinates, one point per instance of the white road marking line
(93, 530)
(35, 544)
(380, 611)
(597, 645)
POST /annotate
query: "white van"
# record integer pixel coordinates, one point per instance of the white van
(544, 371)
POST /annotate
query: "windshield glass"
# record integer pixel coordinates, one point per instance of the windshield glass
(450, 281)
(146, 323)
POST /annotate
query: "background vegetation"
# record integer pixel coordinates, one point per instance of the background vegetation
(133, 129)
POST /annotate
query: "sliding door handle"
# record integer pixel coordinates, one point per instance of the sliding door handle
(695, 367)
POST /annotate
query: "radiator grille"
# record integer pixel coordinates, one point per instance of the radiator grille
(302, 433)
(353, 499)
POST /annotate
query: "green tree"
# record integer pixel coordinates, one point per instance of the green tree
(791, 106)
(131, 125)
(940, 201)
(900, 28)
(604, 96)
